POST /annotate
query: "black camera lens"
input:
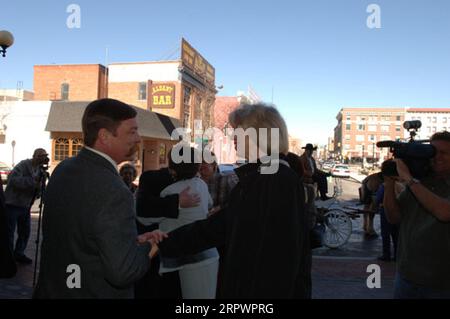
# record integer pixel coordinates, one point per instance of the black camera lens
(412, 125)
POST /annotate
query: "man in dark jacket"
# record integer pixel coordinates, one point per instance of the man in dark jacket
(21, 190)
(89, 247)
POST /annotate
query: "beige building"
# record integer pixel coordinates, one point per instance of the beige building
(15, 95)
(359, 129)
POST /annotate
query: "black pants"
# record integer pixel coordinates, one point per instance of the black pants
(322, 183)
(153, 285)
(388, 232)
(20, 218)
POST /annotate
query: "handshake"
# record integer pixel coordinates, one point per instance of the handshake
(154, 238)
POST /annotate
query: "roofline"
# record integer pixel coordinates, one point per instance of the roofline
(145, 62)
(430, 110)
(69, 64)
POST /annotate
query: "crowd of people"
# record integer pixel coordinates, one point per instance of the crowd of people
(191, 231)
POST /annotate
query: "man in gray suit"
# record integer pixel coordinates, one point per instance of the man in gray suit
(90, 247)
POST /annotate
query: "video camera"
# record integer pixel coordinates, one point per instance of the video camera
(415, 153)
(43, 167)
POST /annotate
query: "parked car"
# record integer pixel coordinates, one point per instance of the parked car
(224, 168)
(340, 170)
(326, 166)
(4, 172)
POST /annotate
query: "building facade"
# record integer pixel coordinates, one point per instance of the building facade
(22, 130)
(433, 120)
(15, 95)
(359, 129)
(71, 82)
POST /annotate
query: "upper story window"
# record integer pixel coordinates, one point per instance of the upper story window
(142, 95)
(65, 91)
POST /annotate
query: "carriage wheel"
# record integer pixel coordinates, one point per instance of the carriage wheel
(338, 228)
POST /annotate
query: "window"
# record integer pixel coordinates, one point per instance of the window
(162, 153)
(347, 137)
(348, 127)
(142, 94)
(65, 91)
(348, 118)
(372, 128)
(360, 138)
(361, 127)
(77, 145)
(429, 129)
(61, 149)
(434, 119)
(346, 146)
(444, 120)
(398, 118)
(372, 138)
(385, 128)
(67, 147)
(398, 129)
(433, 130)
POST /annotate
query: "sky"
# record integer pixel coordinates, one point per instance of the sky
(309, 57)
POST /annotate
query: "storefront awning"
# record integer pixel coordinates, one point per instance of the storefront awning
(66, 116)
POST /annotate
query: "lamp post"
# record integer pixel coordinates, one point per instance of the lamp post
(6, 40)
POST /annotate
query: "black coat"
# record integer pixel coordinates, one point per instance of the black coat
(8, 266)
(150, 204)
(265, 232)
(148, 201)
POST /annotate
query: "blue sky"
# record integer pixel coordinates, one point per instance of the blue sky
(317, 55)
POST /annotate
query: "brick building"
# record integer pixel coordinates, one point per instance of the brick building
(359, 129)
(71, 82)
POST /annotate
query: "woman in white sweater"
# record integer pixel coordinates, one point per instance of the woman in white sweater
(198, 273)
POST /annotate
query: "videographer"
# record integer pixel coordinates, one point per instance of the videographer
(423, 209)
(21, 191)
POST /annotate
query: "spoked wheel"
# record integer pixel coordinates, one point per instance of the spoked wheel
(338, 228)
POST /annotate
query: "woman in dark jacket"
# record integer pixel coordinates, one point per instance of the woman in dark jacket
(264, 227)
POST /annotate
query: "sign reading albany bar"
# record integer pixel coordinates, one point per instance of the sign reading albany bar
(161, 95)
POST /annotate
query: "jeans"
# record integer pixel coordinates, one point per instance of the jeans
(388, 231)
(404, 289)
(20, 217)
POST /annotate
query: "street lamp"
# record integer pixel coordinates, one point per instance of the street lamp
(6, 40)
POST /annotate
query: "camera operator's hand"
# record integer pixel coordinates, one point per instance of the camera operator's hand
(403, 170)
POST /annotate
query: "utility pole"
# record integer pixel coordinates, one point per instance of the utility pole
(362, 164)
(373, 156)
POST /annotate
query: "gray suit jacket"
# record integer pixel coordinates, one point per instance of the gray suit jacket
(89, 221)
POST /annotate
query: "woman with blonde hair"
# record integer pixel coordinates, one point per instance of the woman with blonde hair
(264, 227)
